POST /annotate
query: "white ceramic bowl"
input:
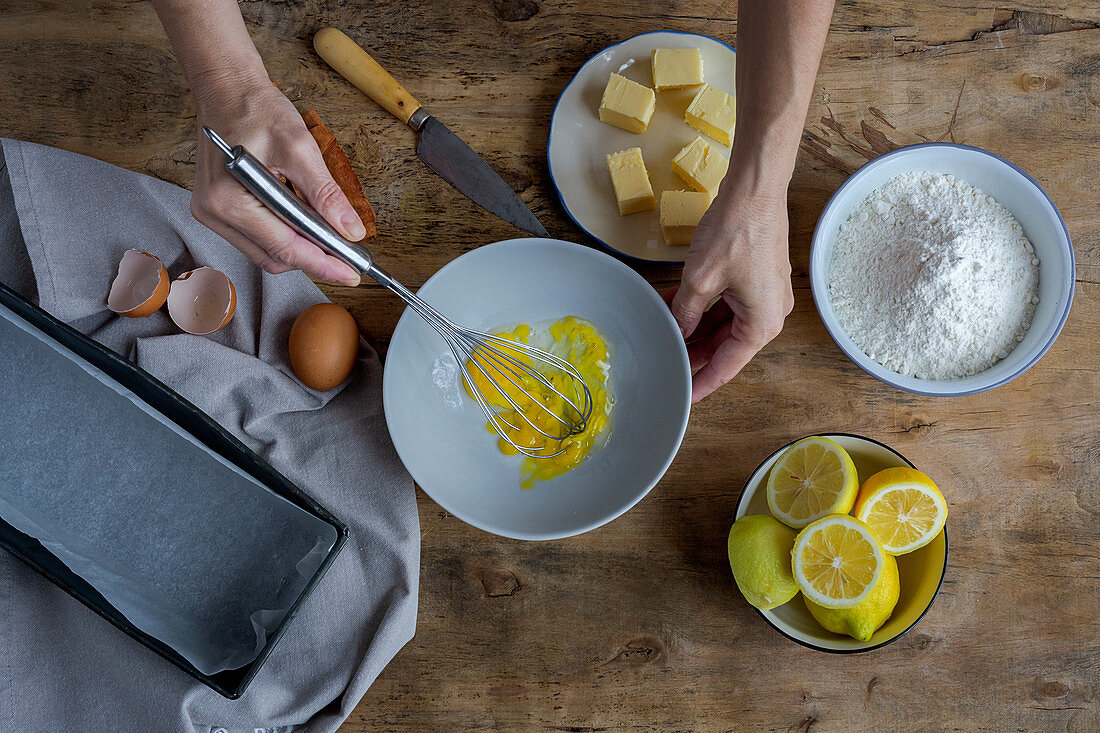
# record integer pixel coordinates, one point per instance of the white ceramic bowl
(440, 434)
(1012, 188)
(920, 572)
(579, 143)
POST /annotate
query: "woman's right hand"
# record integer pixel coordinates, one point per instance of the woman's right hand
(255, 114)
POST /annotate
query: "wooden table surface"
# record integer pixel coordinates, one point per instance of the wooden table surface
(638, 625)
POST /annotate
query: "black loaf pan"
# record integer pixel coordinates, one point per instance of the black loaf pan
(230, 683)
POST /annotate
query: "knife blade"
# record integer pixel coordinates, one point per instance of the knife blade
(454, 162)
(439, 148)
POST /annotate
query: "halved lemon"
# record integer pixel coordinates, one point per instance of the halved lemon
(837, 561)
(903, 507)
(814, 477)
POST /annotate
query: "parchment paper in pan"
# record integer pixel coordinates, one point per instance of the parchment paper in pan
(189, 548)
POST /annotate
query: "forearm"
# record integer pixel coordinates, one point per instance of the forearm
(779, 45)
(212, 45)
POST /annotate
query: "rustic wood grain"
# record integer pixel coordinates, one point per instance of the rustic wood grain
(637, 625)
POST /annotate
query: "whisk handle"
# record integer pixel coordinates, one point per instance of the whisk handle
(277, 196)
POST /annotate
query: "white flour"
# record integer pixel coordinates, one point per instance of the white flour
(932, 278)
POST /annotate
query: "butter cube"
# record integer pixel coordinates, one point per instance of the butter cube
(677, 68)
(701, 166)
(680, 214)
(631, 182)
(713, 113)
(627, 104)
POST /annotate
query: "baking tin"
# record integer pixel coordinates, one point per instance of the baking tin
(230, 683)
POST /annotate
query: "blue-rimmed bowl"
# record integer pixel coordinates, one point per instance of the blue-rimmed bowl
(579, 143)
(920, 573)
(1012, 188)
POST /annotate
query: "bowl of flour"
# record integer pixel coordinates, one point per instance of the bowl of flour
(942, 269)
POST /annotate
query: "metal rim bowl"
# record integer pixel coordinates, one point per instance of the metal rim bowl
(562, 143)
(1011, 187)
(439, 432)
(921, 572)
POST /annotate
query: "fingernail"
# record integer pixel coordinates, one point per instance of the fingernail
(353, 225)
(347, 281)
(347, 276)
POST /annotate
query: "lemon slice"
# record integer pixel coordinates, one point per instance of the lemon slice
(903, 507)
(837, 561)
(814, 477)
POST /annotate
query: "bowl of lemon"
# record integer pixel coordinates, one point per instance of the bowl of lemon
(839, 542)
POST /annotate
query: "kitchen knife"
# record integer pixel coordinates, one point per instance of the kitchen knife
(439, 148)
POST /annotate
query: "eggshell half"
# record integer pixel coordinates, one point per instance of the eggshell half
(140, 287)
(324, 342)
(202, 301)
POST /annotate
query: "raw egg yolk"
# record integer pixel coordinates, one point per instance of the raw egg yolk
(581, 344)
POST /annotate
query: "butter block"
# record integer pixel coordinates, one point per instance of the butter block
(631, 182)
(676, 68)
(701, 166)
(627, 104)
(713, 113)
(680, 214)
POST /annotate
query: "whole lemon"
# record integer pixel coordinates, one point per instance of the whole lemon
(760, 557)
(863, 620)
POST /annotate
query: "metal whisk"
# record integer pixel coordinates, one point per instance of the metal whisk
(509, 366)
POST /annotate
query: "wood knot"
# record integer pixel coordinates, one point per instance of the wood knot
(923, 642)
(498, 582)
(1031, 82)
(918, 425)
(514, 11)
(1052, 688)
(1044, 467)
(639, 652)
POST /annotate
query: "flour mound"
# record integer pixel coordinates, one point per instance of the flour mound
(932, 278)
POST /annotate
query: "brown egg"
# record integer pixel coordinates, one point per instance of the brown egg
(324, 342)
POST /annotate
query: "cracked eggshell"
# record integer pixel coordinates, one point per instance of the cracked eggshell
(202, 301)
(140, 287)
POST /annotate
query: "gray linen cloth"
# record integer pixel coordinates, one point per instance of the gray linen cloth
(65, 221)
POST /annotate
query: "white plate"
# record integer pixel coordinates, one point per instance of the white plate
(440, 434)
(579, 142)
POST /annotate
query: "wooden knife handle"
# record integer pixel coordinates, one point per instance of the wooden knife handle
(356, 65)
